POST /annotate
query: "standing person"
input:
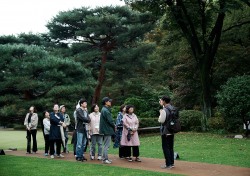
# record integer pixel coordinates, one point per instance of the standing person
(56, 120)
(119, 128)
(46, 129)
(130, 138)
(31, 122)
(94, 132)
(74, 137)
(167, 137)
(107, 127)
(66, 129)
(82, 119)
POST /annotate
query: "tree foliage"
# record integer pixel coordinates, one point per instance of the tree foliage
(234, 102)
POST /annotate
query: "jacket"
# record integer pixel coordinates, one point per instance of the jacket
(82, 117)
(66, 121)
(107, 125)
(46, 124)
(33, 121)
(94, 123)
(163, 119)
(55, 133)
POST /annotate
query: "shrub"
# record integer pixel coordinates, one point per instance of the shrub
(148, 122)
(217, 122)
(234, 102)
(190, 120)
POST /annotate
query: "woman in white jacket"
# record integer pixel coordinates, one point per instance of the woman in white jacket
(94, 132)
(46, 124)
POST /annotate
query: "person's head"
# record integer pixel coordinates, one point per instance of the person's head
(164, 100)
(130, 109)
(56, 108)
(106, 101)
(123, 108)
(95, 108)
(46, 114)
(32, 109)
(83, 103)
(62, 108)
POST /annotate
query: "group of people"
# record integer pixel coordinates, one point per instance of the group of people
(99, 128)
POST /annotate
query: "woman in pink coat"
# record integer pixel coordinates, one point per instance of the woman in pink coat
(130, 138)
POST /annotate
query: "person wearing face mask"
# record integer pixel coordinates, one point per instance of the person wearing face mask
(31, 122)
(56, 121)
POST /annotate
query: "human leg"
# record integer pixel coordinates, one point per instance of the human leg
(34, 145)
(106, 142)
(28, 136)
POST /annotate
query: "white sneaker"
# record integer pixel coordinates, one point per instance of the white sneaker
(60, 156)
(99, 157)
(106, 162)
(52, 156)
(92, 157)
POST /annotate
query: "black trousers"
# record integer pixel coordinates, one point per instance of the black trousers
(28, 136)
(122, 151)
(127, 151)
(168, 148)
(58, 146)
(47, 143)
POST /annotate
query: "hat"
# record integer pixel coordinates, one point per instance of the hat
(105, 99)
(61, 107)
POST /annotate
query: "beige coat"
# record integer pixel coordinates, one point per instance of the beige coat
(33, 122)
(94, 123)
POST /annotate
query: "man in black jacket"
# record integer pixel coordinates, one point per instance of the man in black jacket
(82, 117)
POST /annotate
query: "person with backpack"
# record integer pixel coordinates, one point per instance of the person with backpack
(167, 135)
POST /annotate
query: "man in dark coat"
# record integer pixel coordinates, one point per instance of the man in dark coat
(82, 117)
(107, 127)
(56, 120)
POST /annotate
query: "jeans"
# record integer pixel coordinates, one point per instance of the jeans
(81, 143)
(47, 144)
(96, 138)
(106, 142)
(28, 136)
(168, 149)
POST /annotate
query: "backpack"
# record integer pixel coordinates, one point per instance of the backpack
(173, 124)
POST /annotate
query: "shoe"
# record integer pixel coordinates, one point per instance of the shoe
(137, 159)
(52, 156)
(28, 153)
(33, 153)
(172, 165)
(92, 157)
(121, 157)
(106, 162)
(46, 154)
(60, 156)
(84, 159)
(130, 159)
(166, 167)
(99, 157)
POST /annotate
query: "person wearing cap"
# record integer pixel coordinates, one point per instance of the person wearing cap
(107, 127)
(82, 117)
(66, 128)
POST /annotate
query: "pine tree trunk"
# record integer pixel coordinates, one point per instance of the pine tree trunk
(101, 78)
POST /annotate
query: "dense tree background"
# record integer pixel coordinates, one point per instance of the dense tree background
(134, 57)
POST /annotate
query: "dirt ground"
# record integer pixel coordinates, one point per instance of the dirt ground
(152, 164)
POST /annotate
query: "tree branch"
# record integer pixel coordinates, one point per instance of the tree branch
(236, 25)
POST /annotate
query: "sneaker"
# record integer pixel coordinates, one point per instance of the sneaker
(92, 157)
(60, 156)
(166, 167)
(28, 153)
(106, 162)
(99, 157)
(52, 156)
(172, 165)
(137, 159)
(130, 159)
(46, 154)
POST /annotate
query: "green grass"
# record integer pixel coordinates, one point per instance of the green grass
(29, 166)
(198, 147)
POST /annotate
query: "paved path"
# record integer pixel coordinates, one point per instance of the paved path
(152, 164)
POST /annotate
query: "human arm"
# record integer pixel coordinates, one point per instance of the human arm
(46, 124)
(83, 116)
(162, 116)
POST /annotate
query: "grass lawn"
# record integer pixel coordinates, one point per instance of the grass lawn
(29, 166)
(199, 147)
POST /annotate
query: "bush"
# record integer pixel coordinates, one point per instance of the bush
(190, 120)
(234, 102)
(148, 122)
(217, 122)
